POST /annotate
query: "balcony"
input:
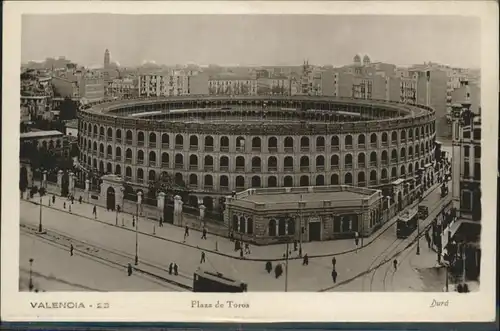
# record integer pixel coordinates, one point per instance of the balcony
(109, 157)
(179, 166)
(385, 162)
(128, 141)
(288, 149)
(273, 149)
(165, 145)
(361, 146)
(109, 138)
(348, 146)
(362, 184)
(118, 158)
(272, 168)
(256, 169)
(240, 168)
(193, 186)
(403, 140)
(140, 161)
(288, 169)
(335, 148)
(224, 168)
(208, 167)
(101, 137)
(224, 148)
(304, 148)
(384, 180)
(373, 163)
(193, 147)
(165, 165)
(361, 165)
(385, 144)
(140, 143)
(208, 187)
(394, 143)
(209, 148)
(394, 160)
(193, 167)
(320, 148)
(152, 163)
(373, 182)
(320, 168)
(128, 160)
(179, 146)
(101, 154)
(348, 166)
(240, 148)
(256, 149)
(152, 144)
(224, 188)
(118, 140)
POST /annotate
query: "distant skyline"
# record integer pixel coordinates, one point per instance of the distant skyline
(251, 39)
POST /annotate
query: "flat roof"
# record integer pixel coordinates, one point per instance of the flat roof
(312, 197)
(40, 134)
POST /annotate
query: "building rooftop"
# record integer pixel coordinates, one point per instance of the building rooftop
(273, 199)
(40, 134)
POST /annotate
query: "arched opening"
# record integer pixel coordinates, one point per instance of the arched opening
(272, 181)
(373, 140)
(224, 144)
(208, 202)
(152, 176)
(152, 140)
(288, 163)
(193, 142)
(235, 223)
(140, 138)
(348, 161)
(240, 144)
(385, 158)
(272, 163)
(304, 163)
(394, 156)
(110, 198)
(256, 144)
(320, 180)
(140, 157)
(304, 143)
(304, 180)
(256, 182)
(179, 161)
(348, 179)
(165, 140)
(118, 170)
(348, 141)
(209, 182)
(240, 182)
(288, 181)
(224, 182)
(209, 143)
(179, 141)
(335, 162)
(361, 141)
(335, 142)
(165, 160)
(272, 228)
(256, 164)
(152, 159)
(209, 163)
(361, 179)
(109, 134)
(385, 138)
(334, 180)
(394, 138)
(240, 163)
(403, 170)
(361, 160)
(288, 144)
(224, 163)
(193, 180)
(373, 177)
(384, 174)
(373, 159)
(320, 143)
(281, 227)
(394, 173)
(403, 136)
(272, 144)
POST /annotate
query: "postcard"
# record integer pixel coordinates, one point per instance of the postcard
(249, 161)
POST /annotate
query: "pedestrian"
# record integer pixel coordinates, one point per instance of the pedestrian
(170, 268)
(176, 269)
(428, 239)
(241, 252)
(186, 232)
(295, 246)
(204, 234)
(80, 199)
(72, 199)
(53, 198)
(202, 257)
(133, 221)
(334, 261)
(64, 205)
(231, 235)
(161, 222)
(395, 263)
(71, 248)
(334, 276)
(269, 266)
(305, 260)
(94, 211)
(247, 248)
(69, 206)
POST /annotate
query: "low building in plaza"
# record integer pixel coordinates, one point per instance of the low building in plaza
(312, 213)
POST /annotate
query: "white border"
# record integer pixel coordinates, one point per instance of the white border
(269, 307)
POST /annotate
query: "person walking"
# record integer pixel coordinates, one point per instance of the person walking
(356, 240)
(202, 257)
(69, 206)
(204, 234)
(94, 211)
(176, 269)
(53, 198)
(334, 276)
(64, 205)
(305, 260)
(71, 248)
(129, 269)
(395, 263)
(334, 262)
(80, 199)
(247, 248)
(170, 268)
(72, 199)
(186, 233)
(161, 222)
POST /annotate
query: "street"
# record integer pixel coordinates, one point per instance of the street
(166, 246)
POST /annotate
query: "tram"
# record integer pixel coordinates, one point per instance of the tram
(206, 281)
(406, 223)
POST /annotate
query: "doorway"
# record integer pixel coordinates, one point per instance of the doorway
(314, 231)
(110, 199)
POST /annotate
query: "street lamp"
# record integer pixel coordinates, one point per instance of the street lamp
(139, 200)
(40, 229)
(31, 275)
(418, 228)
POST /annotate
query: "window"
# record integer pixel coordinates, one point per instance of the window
(477, 134)
(466, 203)
(477, 152)
(477, 171)
(466, 151)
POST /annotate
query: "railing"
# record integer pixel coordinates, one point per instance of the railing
(224, 148)
(109, 157)
(361, 145)
(118, 158)
(320, 148)
(128, 178)
(165, 145)
(224, 188)
(152, 163)
(288, 169)
(385, 144)
(240, 168)
(94, 135)
(335, 148)
(209, 148)
(193, 186)
(385, 162)
(304, 148)
(193, 147)
(403, 140)
(384, 180)
(373, 182)
(101, 154)
(152, 144)
(179, 146)
(224, 168)
(208, 187)
(256, 149)
(288, 149)
(193, 167)
(362, 184)
(128, 160)
(334, 167)
(109, 138)
(128, 141)
(118, 140)
(361, 165)
(373, 163)
(140, 143)
(320, 168)
(256, 169)
(348, 166)
(140, 161)
(140, 180)
(373, 144)
(240, 148)
(273, 149)
(101, 137)
(179, 166)
(348, 146)
(209, 167)
(272, 168)
(165, 164)
(393, 160)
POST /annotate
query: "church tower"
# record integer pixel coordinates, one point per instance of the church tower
(106, 59)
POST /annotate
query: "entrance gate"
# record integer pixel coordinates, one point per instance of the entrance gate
(110, 199)
(314, 231)
(168, 213)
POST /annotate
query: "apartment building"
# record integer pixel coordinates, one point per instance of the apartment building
(230, 84)
(166, 83)
(470, 92)
(273, 85)
(122, 88)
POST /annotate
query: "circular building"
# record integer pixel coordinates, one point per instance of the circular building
(217, 145)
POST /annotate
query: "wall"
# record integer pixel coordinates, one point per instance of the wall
(63, 86)
(198, 84)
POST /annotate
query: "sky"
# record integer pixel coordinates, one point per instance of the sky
(252, 39)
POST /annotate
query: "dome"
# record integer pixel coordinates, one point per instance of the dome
(357, 58)
(366, 58)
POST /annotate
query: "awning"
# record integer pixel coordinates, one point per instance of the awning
(468, 231)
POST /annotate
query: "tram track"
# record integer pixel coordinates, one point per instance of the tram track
(110, 256)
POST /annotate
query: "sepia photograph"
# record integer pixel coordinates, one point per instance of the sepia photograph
(250, 153)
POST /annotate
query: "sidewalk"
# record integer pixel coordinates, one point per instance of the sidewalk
(216, 244)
